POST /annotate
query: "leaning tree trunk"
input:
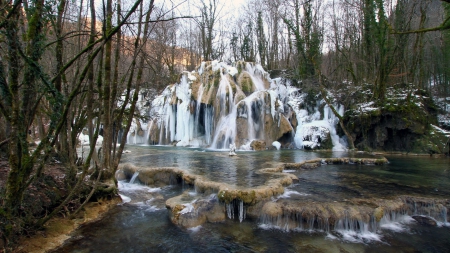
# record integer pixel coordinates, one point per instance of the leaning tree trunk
(341, 120)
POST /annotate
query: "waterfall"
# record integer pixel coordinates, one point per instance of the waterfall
(133, 178)
(209, 119)
(226, 127)
(256, 74)
(197, 109)
(221, 105)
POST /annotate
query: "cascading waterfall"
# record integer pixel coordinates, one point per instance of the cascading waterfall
(197, 109)
(219, 105)
(226, 127)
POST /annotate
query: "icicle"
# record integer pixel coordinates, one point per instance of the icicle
(241, 211)
(444, 214)
(230, 210)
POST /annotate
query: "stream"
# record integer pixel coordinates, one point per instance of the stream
(142, 224)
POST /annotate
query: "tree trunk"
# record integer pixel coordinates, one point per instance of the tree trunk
(106, 96)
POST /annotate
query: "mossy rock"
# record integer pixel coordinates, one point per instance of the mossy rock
(398, 125)
(248, 197)
(326, 144)
(433, 142)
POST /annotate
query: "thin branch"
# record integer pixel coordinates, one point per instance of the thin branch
(4, 142)
(66, 36)
(162, 20)
(105, 38)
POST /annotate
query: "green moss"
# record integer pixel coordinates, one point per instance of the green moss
(233, 87)
(239, 67)
(247, 85)
(248, 197)
(216, 82)
(244, 196)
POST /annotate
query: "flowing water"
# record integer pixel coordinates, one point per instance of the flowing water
(142, 224)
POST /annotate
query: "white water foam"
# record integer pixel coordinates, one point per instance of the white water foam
(398, 223)
(195, 229)
(188, 208)
(125, 199)
(289, 193)
(359, 236)
(127, 187)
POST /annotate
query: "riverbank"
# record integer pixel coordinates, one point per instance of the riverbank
(59, 229)
(40, 199)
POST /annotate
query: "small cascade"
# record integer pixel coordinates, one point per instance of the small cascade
(251, 130)
(133, 178)
(257, 74)
(297, 221)
(355, 225)
(428, 208)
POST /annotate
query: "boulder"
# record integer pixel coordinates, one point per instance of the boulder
(258, 145)
(192, 211)
(424, 220)
(310, 166)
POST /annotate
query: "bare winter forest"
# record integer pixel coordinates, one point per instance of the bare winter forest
(73, 66)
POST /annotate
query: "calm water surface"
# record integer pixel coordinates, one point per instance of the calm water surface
(143, 225)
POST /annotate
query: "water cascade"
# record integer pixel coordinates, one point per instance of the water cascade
(133, 178)
(353, 220)
(218, 105)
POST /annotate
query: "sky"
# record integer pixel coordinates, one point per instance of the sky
(229, 7)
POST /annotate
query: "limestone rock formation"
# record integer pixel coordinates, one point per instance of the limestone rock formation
(258, 145)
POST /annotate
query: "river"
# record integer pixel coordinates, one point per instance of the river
(142, 224)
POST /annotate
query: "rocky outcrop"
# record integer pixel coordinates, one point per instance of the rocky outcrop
(278, 130)
(189, 211)
(220, 105)
(402, 123)
(314, 163)
(355, 214)
(258, 145)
